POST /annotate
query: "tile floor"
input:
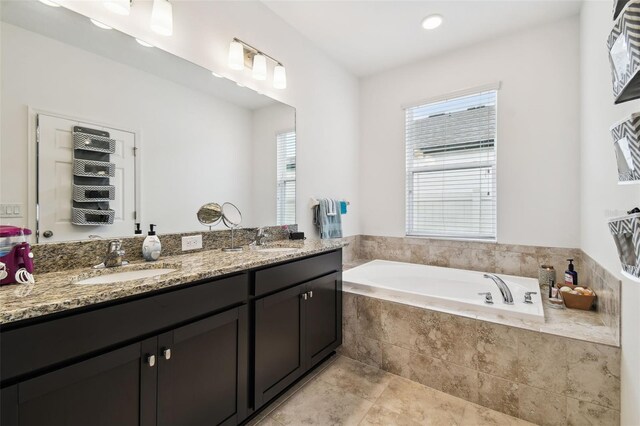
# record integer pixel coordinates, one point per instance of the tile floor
(347, 392)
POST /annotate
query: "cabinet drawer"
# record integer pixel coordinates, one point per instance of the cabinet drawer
(282, 276)
(56, 341)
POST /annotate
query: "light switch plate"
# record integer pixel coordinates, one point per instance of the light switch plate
(192, 242)
(11, 210)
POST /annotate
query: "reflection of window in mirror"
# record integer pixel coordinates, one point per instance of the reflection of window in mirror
(286, 172)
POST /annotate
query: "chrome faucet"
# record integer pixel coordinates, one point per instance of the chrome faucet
(260, 236)
(507, 297)
(114, 255)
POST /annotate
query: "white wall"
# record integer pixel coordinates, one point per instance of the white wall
(601, 196)
(538, 122)
(194, 146)
(268, 122)
(324, 94)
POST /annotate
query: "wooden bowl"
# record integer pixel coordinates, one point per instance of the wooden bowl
(578, 301)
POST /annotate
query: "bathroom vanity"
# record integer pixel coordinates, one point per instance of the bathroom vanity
(212, 351)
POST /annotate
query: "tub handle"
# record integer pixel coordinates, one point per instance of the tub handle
(488, 298)
(527, 296)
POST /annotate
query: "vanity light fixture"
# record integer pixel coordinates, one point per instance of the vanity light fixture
(236, 55)
(49, 3)
(144, 43)
(243, 55)
(279, 77)
(100, 24)
(432, 22)
(162, 17)
(120, 7)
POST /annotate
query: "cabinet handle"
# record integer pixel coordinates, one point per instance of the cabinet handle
(304, 296)
(151, 360)
(166, 353)
(310, 294)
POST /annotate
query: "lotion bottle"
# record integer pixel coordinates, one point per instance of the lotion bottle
(570, 275)
(151, 246)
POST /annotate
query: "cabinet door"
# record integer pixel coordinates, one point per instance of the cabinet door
(117, 388)
(323, 310)
(202, 369)
(279, 325)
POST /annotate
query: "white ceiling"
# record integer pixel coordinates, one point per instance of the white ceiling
(372, 36)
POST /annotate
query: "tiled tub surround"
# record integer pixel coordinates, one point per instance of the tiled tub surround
(56, 292)
(497, 258)
(51, 257)
(539, 377)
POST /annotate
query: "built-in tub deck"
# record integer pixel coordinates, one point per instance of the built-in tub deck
(570, 323)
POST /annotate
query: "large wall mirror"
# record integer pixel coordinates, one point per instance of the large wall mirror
(107, 126)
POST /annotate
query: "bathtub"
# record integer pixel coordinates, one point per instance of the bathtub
(445, 289)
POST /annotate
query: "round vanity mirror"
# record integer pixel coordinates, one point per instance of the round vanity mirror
(210, 214)
(232, 218)
(231, 215)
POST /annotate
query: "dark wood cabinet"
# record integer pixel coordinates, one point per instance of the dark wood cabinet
(294, 330)
(208, 353)
(200, 379)
(116, 388)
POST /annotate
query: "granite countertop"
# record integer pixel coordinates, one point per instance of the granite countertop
(56, 292)
(572, 323)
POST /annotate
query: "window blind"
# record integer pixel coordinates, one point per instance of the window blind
(286, 175)
(451, 167)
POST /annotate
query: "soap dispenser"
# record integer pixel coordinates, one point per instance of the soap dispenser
(570, 275)
(151, 246)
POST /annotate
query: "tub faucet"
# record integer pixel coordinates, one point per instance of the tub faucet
(507, 297)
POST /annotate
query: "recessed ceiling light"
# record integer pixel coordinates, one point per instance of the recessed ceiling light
(50, 3)
(144, 43)
(100, 24)
(215, 74)
(432, 22)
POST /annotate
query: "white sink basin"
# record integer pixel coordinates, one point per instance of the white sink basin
(277, 249)
(119, 277)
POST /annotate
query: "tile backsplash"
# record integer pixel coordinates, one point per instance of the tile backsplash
(82, 254)
(498, 258)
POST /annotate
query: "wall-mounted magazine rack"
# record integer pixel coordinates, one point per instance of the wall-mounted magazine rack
(626, 143)
(92, 170)
(626, 234)
(624, 53)
(618, 5)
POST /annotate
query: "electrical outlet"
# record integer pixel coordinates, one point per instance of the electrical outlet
(11, 210)
(192, 242)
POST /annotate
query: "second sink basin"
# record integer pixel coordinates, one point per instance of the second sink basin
(119, 277)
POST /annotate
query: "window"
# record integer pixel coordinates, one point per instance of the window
(286, 171)
(451, 167)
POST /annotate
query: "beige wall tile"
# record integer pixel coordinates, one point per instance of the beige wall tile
(349, 312)
(593, 373)
(356, 378)
(368, 351)
(581, 413)
(497, 350)
(498, 394)
(542, 361)
(541, 407)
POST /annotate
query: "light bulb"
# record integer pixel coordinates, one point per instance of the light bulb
(162, 17)
(236, 55)
(121, 7)
(432, 22)
(100, 24)
(50, 3)
(279, 77)
(259, 70)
